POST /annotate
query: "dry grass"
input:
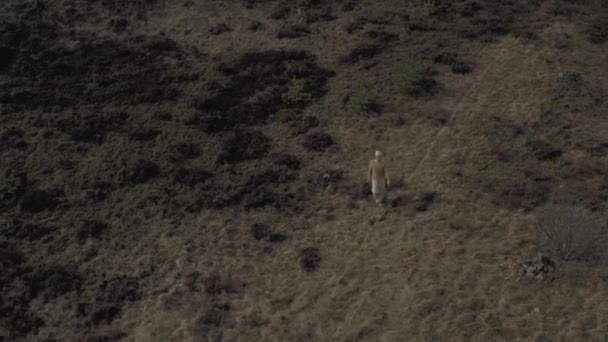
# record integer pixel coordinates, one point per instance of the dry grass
(428, 267)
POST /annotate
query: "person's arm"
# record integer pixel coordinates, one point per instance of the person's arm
(369, 171)
(388, 180)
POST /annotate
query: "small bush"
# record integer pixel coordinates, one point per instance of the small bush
(12, 186)
(36, 201)
(597, 31)
(416, 78)
(365, 99)
(573, 233)
(243, 145)
(293, 31)
(184, 151)
(427, 8)
(304, 124)
(296, 92)
(310, 259)
(260, 231)
(219, 29)
(142, 171)
(425, 201)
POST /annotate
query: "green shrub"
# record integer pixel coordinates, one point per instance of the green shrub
(427, 8)
(365, 99)
(296, 92)
(415, 78)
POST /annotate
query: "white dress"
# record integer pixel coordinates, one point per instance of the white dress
(378, 189)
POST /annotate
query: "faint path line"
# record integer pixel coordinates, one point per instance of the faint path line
(436, 138)
(458, 105)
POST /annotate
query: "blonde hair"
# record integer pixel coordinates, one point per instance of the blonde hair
(378, 154)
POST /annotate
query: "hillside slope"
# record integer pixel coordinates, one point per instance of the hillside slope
(195, 170)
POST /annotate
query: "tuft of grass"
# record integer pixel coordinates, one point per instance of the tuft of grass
(365, 99)
(296, 92)
(427, 8)
(208, 75)
(572, 232)
(415, 78)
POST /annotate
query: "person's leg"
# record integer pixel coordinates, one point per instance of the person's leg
(375, 189)
(380, 191)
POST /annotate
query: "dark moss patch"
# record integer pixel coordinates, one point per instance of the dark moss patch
(119, 290)
(184, 151)
(360, 191)
(16, 293)
(244, 145)
(350, 5)
(544, 150)
(215, 316)
(318, 142)
(310, 259)
(576, 94)
(383, 37)
(133, 8)
(260, 231)
(362, 52)
(260, 191)
(191, 176)
(279, 12)
(112, 295)
(359, 23)
(13, 186)
(277, 237)
(12, 137)
(303, 124)
(36, 201)
(597, 31)
(7, 58)
(425, 201)
(119, 25)
(216, 284)
(400, 201)
(96, 70)
(457, 64)
(141, 171)
(92, 127)
(98, 191)
(53, 282)
(106, 337)
(219, 29)
(26, 231)
(469, 9)
(379, 41)
(104, 315)
(256, 84)
(91, 229)
(255, 26)
(320, 13)
(290, 161)
(293, 31)
(143, 134)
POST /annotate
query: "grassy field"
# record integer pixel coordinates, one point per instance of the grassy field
(195, 170)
